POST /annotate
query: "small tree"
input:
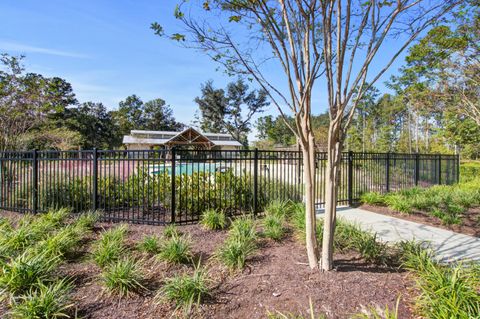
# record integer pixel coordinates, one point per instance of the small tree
(314, 42)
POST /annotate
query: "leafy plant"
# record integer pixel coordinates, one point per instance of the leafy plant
(44, 301)
(19, 274)
(87, 220)
(171, 231)
(399, 203)
(373, 198)
(123, 277)
(176, 249)
(235, 251)
(280, 208)
(213, 219)
(273, 226)
(185, 289)
(60, 243)
(149, 244)
(243, 228)
(378, 313)
(109, 248)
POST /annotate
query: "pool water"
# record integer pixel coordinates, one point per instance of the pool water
(188, 169)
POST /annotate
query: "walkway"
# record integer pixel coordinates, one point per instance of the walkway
(446, 244)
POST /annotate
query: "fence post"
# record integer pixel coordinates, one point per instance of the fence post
(458, 167)
(439, 169)
(173, 185)
(387, 172)
(255, 182)
(350, 178)
(95, 180)
(35, 181)
(417, 168)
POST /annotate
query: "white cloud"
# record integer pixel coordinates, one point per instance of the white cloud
(23, 48)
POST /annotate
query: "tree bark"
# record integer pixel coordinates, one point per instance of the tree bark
(331, 187)
(308, 152)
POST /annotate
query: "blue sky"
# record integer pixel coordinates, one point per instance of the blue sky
(107, 51)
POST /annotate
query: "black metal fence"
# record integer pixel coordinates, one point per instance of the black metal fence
(160, 187)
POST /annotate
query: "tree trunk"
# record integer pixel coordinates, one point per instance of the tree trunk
(331, 186)
(308, 151)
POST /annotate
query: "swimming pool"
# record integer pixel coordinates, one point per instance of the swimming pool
(187, 168)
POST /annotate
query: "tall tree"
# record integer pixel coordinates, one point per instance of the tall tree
(28, 102)
(334, 40)
(159, 116)
(231, 110)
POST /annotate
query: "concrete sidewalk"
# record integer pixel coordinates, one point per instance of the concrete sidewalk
(446, 244)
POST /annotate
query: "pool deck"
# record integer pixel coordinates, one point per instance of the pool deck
(447, 245)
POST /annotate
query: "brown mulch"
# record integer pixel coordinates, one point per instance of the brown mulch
(470, 219)
(277, 278)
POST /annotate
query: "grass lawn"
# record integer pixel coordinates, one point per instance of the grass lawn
(217, 269)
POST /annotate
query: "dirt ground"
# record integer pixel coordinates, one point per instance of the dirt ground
(470, 220)
(277, 278)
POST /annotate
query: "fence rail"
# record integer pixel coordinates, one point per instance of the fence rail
(160, 187)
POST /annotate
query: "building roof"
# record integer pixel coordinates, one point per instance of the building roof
(187, 136)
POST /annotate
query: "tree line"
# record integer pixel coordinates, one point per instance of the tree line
(43, 112)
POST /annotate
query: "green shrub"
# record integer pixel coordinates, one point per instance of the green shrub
(60, 243)
(177, 250)
(235, 251)
(279, 208)
(243, 228)
(171, 231)
(44, 301)
(19, 274)
(273, 227)
(373, 198)
(109, 247)
(185, 289)
(445, 291)
(123, 277)
(149, 244)
(399, 203)
(87, 220)
(213, 219)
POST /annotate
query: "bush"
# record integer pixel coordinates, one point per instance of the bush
(243, 228)
(22, 272)
(279, 208)
(373, 198)
(171, 231)
(123, 277)
(273, 227)
(213, 219)
(60, 243)
(186, 290)
(445, 291)
(44, 301)
(176, 250)
(235, 251)
(109, 248)
(149, 244)
(399, 203)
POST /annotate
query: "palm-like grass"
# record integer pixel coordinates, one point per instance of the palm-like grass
(235, 251)
(273, 226)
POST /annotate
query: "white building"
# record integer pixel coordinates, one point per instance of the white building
(145, 140)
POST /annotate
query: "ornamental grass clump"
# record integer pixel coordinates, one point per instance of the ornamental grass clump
(149, 244)
(274, 227)
(279, 208)
(109, 248)
(213, 219)
(123, 277)
(50, 300)
(20, 273)
(446, 291)
(176, 250)
(185, 289)
(171, 231)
